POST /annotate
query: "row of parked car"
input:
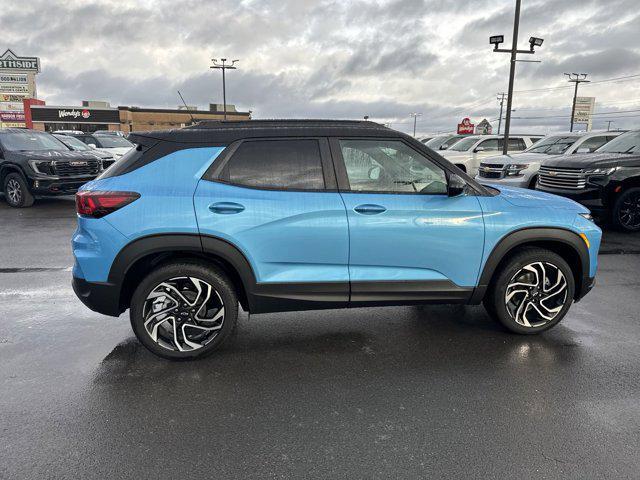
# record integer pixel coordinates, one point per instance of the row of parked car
(34, 163)
(598, 169)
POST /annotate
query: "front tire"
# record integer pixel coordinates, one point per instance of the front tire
(16, 191)
(532, 292)
(626, 211)
(184, 310)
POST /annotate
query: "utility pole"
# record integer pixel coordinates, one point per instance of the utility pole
(415, 119)
(497, 40)
(576, 78)
(501, 100)
(224, 66)
(609, 122)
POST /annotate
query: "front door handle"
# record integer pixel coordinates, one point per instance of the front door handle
(369, 209)
(226, 208)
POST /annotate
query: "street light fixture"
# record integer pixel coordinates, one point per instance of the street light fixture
(497, 40)
(224, 66)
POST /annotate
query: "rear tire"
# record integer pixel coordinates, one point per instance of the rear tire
(531, 292)
(184, 310)
(625, 215)
(16, 191)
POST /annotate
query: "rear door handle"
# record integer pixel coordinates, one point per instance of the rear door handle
(226, 208)
(369, 209)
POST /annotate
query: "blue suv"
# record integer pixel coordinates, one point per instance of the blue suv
(301, 214)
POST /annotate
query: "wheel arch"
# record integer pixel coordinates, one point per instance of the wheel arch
(7, 168)
(564, 242)
(142, 255)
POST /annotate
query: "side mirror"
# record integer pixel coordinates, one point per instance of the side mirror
(456, 186)
(479, 149)
(92, 145)
(374, 173)
(583, 150)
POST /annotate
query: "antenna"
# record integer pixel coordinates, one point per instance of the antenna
(185, 106)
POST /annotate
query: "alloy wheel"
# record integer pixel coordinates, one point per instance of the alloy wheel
(183, 314)
(14, 191)
(536, 294)
(630, 211)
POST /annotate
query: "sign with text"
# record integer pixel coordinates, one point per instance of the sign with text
(9, 61)
(12, 116)
(584, 110)
(484, 128)
(9, 88)
(75, 115)
(11, 97)
(15, 78)
(465, 126)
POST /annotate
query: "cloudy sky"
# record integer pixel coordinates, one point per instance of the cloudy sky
(335, 58)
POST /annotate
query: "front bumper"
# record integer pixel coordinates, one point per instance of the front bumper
(590, 196)
(58, 185)
(519, 181)
(100, 297)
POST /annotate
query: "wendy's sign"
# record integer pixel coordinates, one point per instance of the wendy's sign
(465, 126)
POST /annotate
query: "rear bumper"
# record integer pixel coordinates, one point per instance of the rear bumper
(103, 298)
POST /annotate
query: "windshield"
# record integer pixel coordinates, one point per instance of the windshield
(553, 145)
(112, 141)
(464, 144)
(626, 143)
(30, 140)
(73, 143)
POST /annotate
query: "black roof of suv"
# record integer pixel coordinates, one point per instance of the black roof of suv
(224, 132)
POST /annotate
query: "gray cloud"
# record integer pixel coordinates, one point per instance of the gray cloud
(329, 58)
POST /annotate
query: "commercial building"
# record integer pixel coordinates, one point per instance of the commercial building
(93, 115)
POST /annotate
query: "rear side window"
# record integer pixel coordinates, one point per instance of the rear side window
(278, 164)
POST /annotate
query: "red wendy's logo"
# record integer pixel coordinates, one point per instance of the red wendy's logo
(465, 121)
(86, 113)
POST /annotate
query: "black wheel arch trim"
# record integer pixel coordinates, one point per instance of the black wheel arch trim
(531, 235)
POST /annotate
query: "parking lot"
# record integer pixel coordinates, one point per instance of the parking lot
(362, 393)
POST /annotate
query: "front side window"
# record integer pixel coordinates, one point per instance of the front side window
(515, 144)
(592, 143)
(279, 164)
(491, 144)
(390, 166)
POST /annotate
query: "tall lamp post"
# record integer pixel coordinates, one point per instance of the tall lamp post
(415, 120)
(496, 40)
(222, 65)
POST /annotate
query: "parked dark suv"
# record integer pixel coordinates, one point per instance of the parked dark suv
(606, 180)
(298, 215)
(36, 163)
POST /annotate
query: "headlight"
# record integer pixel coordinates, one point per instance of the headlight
(42, 167)
(515, 168)
(601, 171)
(587, 216)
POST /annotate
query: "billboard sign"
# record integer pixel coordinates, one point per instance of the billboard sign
(11, 97)
(465, 127)
(9, 61)
(584, 110)
(484, 128)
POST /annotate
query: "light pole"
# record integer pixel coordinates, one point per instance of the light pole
(497, 40)
(576, 78)
(501, 100)
(415, 120)
(224, 66)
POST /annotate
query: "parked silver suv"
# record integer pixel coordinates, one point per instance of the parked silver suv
(521, 169)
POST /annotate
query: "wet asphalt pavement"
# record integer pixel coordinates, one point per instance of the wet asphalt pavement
(387, 392)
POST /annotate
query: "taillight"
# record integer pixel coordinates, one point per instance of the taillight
(98, 204)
